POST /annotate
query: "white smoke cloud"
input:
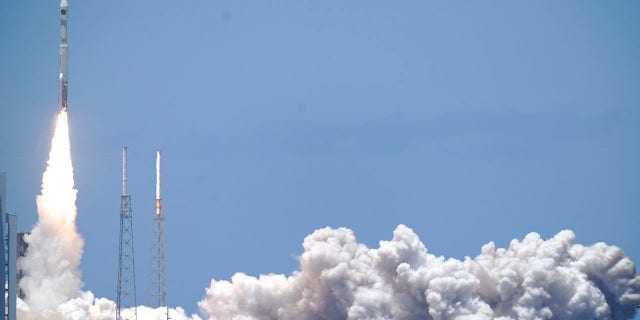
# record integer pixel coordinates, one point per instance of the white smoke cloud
(342, 279)
(86, 307)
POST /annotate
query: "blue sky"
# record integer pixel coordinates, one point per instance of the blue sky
(466, 121)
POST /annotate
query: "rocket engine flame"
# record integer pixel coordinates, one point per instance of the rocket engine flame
(50, 266)
(58, 193)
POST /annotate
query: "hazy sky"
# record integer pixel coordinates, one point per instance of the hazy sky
(466, 121)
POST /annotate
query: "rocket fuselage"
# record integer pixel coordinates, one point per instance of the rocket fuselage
(62, 78)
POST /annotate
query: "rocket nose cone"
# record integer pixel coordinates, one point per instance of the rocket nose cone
(64, 3)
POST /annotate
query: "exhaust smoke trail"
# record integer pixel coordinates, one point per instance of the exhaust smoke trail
(50, 266)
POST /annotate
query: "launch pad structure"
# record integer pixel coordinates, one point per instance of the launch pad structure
(8, 255)
(157, 283)
(126, 305)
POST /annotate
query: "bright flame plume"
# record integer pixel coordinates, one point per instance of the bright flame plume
(58, 193)
(50, 266)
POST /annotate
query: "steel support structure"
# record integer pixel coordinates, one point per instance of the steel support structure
(12, 265)
(3, 257)
(126, 306)
(157, 284)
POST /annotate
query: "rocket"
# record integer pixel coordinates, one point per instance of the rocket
(62, 78)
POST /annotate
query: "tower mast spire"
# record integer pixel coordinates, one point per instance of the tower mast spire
(126, 306)
(157, 285)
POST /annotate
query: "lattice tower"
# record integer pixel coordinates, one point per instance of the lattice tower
(126, 306)
(157, 284)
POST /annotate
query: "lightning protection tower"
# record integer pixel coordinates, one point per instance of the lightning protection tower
(157, 284)
(126, 301)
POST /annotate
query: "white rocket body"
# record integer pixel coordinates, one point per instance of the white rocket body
(62, 78)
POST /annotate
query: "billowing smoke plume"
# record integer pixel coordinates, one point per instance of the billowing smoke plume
(52, 280)
(342, 279)
(86, 307)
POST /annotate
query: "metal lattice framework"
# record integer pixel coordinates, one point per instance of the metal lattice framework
(126, 306)
(157, 284)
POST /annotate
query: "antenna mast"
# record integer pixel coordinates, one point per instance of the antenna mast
(157, 285)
